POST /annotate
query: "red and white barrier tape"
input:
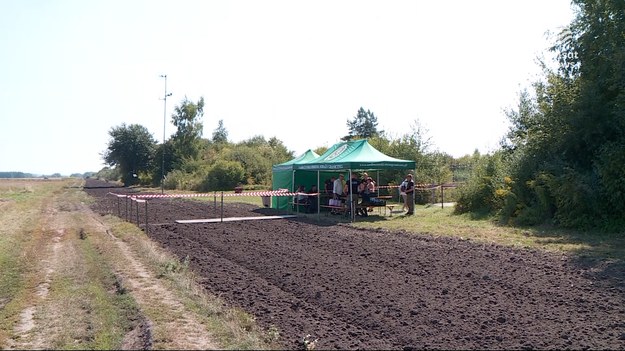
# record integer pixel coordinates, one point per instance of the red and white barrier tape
(250, 193)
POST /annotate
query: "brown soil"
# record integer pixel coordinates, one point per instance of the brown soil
(364, 289)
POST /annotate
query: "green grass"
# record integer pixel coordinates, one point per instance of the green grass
(437, 221)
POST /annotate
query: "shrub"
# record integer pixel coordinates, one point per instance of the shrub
(575, 199)
(180, 180)
(610, 168)
(222, 175)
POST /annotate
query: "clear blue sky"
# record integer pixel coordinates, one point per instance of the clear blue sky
(70, 70)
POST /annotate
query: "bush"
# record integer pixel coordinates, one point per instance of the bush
(610, 167)
(180, 180)
(477, 195)
(223, 175)
(575, 199)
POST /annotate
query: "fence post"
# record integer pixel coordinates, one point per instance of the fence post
(146, 217)
(442, 196)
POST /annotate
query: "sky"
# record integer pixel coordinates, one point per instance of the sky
(70, 70)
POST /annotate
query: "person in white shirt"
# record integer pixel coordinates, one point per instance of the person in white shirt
(338, 187)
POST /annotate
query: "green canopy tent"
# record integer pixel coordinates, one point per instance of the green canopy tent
(354, 155)
(347, 156)
(283, 177)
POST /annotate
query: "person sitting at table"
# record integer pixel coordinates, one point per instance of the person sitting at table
(313, 199)
(301, 197)
(364, 179)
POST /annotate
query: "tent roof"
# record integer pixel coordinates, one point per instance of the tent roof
(358, 154)
(306, 157)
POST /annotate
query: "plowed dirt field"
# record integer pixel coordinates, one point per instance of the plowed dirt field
(367, 289)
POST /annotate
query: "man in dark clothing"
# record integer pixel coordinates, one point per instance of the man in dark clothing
(410, 194)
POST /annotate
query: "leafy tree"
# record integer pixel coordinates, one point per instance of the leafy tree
(363, 126)
(108, 174)
(223, 175)
(320, 150)
(187, 119)
(410, 146)
(220, 135)
(277, 151)
(482, 192)
(162, 165)
(131, 150)
(564, 149)
(463, 166)
(257, 155)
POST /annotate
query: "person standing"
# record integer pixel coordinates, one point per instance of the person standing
(366, 190)
(409, 195)
(337, 193)
(329, 184)
(402, 194)
(337, 189)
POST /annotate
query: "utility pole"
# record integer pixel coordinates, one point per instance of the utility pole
(164, 123)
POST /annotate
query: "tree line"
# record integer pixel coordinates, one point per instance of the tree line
(563, 159)
(189, 161)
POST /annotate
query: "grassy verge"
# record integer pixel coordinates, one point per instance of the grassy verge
(437, 221)
(64, 281)
(20, 203)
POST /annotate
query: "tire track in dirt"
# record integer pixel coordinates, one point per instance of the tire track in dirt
(31, 332)
(183, 331)
(57, 254)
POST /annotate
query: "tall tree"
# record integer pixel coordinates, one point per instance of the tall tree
(187, 118)
(363, 126)
(131, 150)
(220, 134)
